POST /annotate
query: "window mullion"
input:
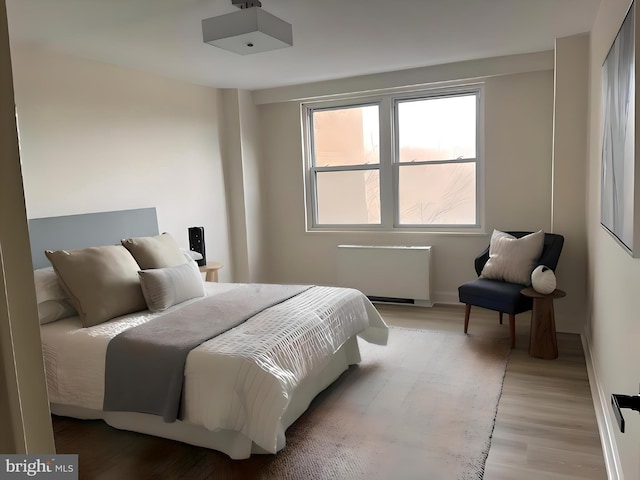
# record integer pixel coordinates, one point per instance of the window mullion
(387, 183)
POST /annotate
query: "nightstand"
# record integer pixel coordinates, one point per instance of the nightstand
(211, 271)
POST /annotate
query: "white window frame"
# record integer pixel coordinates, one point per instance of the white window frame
(389, 165)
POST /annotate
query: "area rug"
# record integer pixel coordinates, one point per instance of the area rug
(422, 407)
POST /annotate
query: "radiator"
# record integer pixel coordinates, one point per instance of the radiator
(387, 274)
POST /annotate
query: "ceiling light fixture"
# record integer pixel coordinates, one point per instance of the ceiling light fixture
(250, 30)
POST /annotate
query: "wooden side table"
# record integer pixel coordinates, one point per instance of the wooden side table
(211, 271)
(542, 339)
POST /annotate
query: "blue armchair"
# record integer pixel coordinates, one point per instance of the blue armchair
(501, 296)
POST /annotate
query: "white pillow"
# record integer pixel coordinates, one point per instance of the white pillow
(192, 254)
(165, 287)
(53, 302)
(513, 259)
(53, 310)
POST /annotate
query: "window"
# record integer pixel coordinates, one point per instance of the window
(394, 162)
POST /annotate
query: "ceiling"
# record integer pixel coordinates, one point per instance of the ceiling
(332, 39)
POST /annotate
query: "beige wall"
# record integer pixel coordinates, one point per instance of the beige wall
(613, 276)
(95, 137)
(234, 182)
(518, 115)
(241, 153)
(252, 187)
(25, 423)
(569, 174)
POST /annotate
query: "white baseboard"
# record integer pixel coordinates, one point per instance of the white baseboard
(606, 423)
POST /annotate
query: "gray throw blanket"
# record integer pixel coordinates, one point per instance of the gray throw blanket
(145, 365)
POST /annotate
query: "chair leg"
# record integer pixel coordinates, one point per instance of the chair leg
(500, 316)
(512, 329)
(467, 312)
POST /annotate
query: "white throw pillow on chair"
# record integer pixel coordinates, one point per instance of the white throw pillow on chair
(513, 259)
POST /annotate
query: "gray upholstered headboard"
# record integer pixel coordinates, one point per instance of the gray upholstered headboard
(88, 230)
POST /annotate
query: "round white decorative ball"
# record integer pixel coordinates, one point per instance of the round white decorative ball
(543, 280)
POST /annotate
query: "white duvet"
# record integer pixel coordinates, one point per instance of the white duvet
(241, 380)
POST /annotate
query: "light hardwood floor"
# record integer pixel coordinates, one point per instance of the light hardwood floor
(546, 425)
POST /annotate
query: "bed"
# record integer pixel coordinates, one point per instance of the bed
(239, 390)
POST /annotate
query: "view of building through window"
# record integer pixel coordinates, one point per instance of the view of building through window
(346, 137)
(433, 171)
(436, 140)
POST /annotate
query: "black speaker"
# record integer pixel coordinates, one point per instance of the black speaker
(196, 243)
